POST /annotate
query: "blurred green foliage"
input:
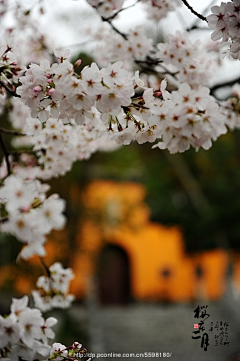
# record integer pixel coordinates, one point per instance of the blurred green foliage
(216, 173)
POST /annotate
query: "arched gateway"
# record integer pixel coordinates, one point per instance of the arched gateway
(113, 278)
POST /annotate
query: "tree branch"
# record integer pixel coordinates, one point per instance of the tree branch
(222, 85)
(11, 132)
(6, 154)
(205, 11)
(114, 28)
(119, 11)
(26, 151)
(148, 61)
(193, 11)
(136, 105)
(11, 92)
(45, 267)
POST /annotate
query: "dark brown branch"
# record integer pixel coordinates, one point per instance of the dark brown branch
(149, 61)
(26, 151)
(114, 28)
(205, 11)
(136, 105)
(11, 92)
(45, 267)
(6, 154)
(119, 11)
(148, 69)
(195, 27)
(146, 65)
(11, 132)
(200, 16)
(222, 85)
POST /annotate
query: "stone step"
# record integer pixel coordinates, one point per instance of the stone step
(166, 330)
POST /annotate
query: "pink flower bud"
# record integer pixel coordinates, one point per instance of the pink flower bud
(51, 91)
(25, 209)
(49, 81)
(76, 345)
(77, 63)
(48, 75)
(37, 89)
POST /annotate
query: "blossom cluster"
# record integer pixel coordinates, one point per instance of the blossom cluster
(28, 214)
(57, 91)
(191, 117)
(114, 47)
(155, 9)
(186, 60)
(159, 9)
(62, 116)
(61, 352)
(231, 109)
(106, 8)
(24, 332)
(225, 21)
(53, 290)
(21, 26)
(56, 144)
(9, 69)
(66, 116)
(101, 102)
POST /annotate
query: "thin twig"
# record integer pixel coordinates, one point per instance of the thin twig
(45, 267)
(194, 25)
(11, 92)
(114, 28)
(21, 151)
(138, 105)
(148, 61)
(222, 85)
(119, 11)
(6, 154)
(200, 16)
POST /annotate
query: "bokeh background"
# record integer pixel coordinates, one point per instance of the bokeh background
(150, 236)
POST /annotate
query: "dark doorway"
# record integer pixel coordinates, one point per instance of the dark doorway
(113, 276)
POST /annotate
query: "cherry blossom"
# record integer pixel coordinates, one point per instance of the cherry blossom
(53, 290)
(59, 351)
(30, 215)
(58, 116)
(159, 9)
(188, 60)
(24, 332)
(225, 22)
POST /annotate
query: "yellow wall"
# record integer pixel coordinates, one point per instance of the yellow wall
(214, 265)
(116, 214)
